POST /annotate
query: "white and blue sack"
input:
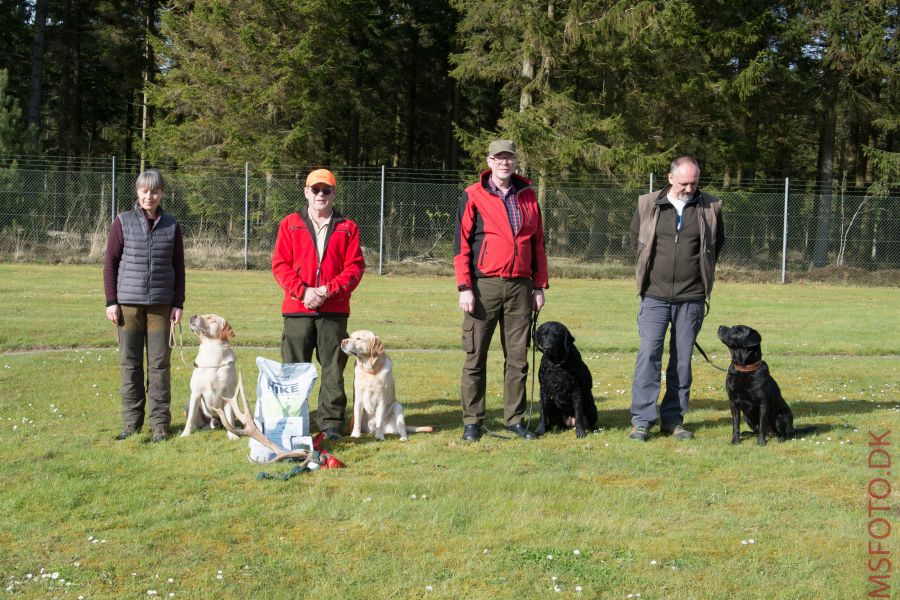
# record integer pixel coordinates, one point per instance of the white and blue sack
(282, 406)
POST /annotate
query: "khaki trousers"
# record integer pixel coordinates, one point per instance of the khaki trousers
(507, 302)
(145, 327)
(323, 334)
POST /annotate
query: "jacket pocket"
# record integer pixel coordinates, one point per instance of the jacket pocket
(483, 255)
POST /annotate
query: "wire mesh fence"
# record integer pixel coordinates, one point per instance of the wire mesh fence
(776, 230)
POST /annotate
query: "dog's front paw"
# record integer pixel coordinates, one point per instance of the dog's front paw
(404, 439)
(185, 433)
(379, 437)
(761, 441)
(355, 434)
(736, 439)
(233, 436)
(540, 430)
(580, 432)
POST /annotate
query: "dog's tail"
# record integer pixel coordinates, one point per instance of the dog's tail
(421, 429)
(803, 430)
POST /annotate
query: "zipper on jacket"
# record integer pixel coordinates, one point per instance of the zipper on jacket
(483, 254)
(675, 257)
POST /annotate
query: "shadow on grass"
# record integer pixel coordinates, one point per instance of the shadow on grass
(449, 418)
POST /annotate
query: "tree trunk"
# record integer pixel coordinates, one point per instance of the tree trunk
(353, 158)
(408, 154)
(35, 94)
(827, 126)
(129, 120)
(149, 74)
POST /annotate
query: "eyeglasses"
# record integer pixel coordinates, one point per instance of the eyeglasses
(504, 159)
(325, 191)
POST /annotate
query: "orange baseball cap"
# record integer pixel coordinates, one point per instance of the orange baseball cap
(320, 176)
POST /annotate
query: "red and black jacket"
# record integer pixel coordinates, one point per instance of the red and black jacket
(484, 245)
(296, 264)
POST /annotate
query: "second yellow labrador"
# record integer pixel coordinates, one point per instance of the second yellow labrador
(375, 406)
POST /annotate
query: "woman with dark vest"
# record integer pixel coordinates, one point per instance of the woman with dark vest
(143, 277)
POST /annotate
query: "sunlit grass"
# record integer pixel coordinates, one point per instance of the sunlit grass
(437, 518)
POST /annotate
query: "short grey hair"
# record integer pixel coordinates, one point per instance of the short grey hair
(150, 179)
(681, 160)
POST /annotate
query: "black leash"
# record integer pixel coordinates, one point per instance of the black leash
(702, 353)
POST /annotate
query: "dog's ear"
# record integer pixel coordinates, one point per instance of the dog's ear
(227, 332)
(570, 341)
(376, 347)
(753, 338)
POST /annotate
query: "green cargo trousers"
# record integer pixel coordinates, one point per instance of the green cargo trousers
(145, 327)
(507, 302)
(322, 333)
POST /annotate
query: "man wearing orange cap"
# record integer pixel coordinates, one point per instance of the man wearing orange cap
(318, 263)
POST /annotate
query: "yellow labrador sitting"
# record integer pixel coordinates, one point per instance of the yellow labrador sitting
(375, 406)
(215, 374)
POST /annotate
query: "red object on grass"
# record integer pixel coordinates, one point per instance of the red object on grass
(331, 462)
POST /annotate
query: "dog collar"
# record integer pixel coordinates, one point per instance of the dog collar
(227, 362)
(747, 368)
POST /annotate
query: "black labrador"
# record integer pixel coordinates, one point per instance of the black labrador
(566, 399)
(753, 391)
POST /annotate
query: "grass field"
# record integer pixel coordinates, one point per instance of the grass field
(84, 516)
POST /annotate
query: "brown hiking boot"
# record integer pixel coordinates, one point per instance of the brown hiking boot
(158, 434)
(127, 432)
(676, 431)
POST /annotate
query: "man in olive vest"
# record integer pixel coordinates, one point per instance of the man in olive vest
(678, 233)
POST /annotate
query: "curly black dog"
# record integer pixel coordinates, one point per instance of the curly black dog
(753, 391)
(566, 399)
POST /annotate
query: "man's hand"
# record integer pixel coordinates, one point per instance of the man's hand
(467, 301)
(314, 297)
(175, 315)
(112, 313)
(537, 302)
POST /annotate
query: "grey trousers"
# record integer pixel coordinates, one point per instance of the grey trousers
(507, 302)
(145, 327)
(323, 334)
(654, 317)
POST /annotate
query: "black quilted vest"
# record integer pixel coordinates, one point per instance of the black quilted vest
(146, 273)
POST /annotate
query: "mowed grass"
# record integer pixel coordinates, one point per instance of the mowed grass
(436, 518)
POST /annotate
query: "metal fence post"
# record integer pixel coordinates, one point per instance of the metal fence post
(784, 235)
(246, 215)
(381, 224)
(651, 183)
(112, 197)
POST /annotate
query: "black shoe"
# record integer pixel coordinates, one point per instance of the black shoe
(472, 433)
(520, 430)
(127, 432)
(158, 434)
(332, 433)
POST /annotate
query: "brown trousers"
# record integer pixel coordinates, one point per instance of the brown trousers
(507, 302)
(145, 327)
(323, 334)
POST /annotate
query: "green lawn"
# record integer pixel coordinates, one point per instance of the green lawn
(434, 517)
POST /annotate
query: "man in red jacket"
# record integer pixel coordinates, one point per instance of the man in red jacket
(501, 274)
(318, 263)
